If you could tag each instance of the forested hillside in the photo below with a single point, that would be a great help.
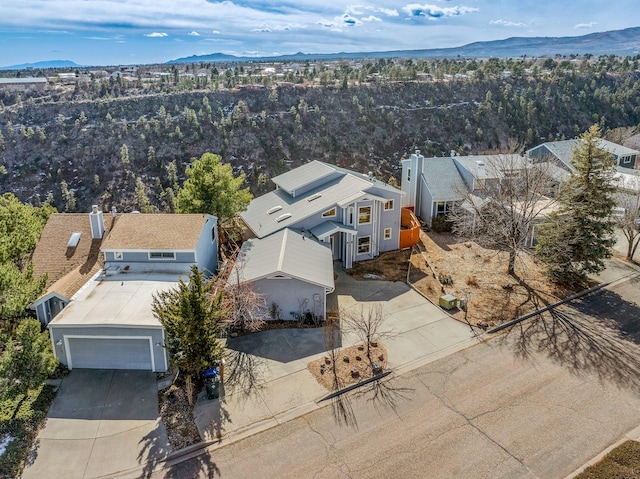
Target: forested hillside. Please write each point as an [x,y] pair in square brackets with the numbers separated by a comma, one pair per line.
[127,145]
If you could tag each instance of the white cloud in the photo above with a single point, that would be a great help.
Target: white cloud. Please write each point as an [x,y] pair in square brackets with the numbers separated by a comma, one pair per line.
[434,12]
[586,25]
[264,29]
[506,23]
[371,18]
[194,34]
[156,35]
[216,32]
[361,9]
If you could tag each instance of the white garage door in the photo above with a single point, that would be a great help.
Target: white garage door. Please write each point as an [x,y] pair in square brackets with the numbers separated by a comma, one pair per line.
[110,353]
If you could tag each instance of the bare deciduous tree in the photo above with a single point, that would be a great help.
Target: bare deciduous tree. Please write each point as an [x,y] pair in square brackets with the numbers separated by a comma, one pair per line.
[247,309]
[502,210]
[627,217]
[365,323]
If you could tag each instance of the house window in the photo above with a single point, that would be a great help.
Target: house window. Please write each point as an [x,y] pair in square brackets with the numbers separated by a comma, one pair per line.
[364,215]
[213,235]
[388,205]
[117,256]
[387,233]
[408,174]
[331,212]
[162,255]
[364,245]
[626,159]
[350,215]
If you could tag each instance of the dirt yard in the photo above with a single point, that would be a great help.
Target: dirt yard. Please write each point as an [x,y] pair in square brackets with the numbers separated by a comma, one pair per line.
[348,366]
[389,266]
[445,264]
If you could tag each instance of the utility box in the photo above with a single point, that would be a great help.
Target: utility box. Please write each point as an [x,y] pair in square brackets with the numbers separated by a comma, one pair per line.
[448,301]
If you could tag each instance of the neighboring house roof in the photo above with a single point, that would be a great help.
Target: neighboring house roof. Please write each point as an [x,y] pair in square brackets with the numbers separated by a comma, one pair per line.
[489,166]
[563,149]
[442,179]
[135,231]
[555,172]
[287,253]
[68,268]
[277,209]
[616,149]
[627,181]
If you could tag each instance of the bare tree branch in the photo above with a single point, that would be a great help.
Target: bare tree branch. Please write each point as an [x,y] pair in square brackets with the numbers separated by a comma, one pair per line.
[502,210]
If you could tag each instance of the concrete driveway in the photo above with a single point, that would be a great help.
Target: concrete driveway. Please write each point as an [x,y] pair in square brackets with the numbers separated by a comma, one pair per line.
[101,422]
[266,378]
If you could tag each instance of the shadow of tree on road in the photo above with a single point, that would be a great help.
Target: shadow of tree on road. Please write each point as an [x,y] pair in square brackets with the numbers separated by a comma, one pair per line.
[198,466]
[342,409]
[581,343]
[609,305]
[385,395]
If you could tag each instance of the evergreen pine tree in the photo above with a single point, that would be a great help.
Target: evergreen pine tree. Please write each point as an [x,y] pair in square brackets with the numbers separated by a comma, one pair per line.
[191,317]
[578,236]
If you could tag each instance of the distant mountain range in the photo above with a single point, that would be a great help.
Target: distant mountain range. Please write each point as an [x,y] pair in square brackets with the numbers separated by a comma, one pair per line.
[616,42]
[45,64]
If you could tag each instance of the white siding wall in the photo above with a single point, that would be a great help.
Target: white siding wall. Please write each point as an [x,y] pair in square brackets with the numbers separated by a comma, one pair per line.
[289,294]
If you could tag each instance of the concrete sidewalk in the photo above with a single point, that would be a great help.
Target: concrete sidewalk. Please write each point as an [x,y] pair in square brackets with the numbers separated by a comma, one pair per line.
[266,376]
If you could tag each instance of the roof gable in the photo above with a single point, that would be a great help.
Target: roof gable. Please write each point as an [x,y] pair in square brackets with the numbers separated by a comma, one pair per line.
[288,253]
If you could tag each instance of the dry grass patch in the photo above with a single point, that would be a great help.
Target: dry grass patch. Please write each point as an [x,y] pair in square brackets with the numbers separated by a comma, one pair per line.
[341,373]
[446,264]
[621,463]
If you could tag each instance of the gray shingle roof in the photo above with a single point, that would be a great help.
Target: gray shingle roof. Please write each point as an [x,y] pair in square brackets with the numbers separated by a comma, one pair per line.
[493,164]
[286,252]
[277,209]
[563,150]
[616,149]
[442,179]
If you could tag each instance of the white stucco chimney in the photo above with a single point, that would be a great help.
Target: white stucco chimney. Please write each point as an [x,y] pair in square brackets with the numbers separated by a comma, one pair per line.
[97,223]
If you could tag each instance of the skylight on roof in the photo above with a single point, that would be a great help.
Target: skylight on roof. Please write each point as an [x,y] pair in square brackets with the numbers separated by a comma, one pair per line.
[74,240]
[283,217]
[274,209]
[314,197]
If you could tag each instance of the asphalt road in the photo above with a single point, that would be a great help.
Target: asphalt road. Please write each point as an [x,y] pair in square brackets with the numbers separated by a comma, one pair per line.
[536,402]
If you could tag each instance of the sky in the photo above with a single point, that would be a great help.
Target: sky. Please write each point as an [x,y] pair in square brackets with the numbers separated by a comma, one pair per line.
[117,32]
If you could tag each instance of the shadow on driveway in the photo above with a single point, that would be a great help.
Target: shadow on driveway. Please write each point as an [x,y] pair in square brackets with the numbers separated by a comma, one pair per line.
[281,345]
